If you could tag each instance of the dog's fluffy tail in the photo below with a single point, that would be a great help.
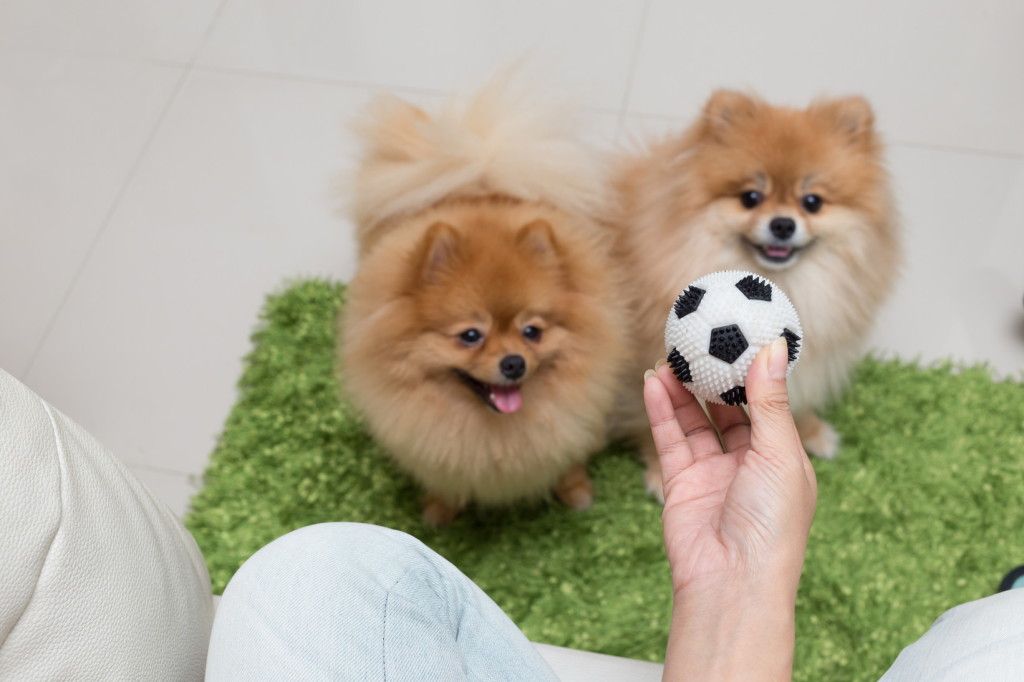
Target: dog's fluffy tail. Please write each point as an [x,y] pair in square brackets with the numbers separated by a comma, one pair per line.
[500,141]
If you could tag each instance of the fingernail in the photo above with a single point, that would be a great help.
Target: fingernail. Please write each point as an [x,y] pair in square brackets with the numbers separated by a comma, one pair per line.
[658,364]
[778,359]
[648,374]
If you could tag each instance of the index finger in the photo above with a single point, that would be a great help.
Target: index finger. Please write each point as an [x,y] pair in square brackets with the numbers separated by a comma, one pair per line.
[669,439]
[733,425]
[699,432]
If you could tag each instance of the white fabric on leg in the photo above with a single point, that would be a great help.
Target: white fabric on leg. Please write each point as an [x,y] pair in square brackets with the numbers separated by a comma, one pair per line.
[980,641]
[347,601]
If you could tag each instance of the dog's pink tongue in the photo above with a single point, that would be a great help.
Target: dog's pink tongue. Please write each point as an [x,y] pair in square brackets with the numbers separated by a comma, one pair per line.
[777,251]
[507,399]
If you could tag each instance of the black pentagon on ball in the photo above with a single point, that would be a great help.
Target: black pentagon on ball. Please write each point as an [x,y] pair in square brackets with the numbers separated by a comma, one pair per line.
[792,344]
[755,288]
[680,367]
[688,301]
[737,395]
[727,343]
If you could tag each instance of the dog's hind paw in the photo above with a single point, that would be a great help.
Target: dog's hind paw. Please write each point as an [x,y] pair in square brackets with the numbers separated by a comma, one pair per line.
[575,489]
[653,483]
[821,440]
[437,512]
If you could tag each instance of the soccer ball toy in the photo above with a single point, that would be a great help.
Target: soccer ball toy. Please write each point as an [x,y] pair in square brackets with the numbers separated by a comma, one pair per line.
[717,326]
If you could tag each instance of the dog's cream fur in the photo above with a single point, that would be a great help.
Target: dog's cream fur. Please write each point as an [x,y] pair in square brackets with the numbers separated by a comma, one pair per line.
[501,141]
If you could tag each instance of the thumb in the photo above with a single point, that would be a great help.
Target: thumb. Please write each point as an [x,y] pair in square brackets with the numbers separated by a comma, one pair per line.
[772,430]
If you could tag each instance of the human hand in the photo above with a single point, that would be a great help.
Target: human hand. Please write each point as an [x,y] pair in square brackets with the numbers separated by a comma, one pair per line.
[738,510]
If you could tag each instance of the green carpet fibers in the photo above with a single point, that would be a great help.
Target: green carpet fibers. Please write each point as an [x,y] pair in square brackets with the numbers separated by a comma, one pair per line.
[922,510]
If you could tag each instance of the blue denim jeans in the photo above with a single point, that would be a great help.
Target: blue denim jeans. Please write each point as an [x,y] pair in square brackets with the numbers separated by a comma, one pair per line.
[348,601]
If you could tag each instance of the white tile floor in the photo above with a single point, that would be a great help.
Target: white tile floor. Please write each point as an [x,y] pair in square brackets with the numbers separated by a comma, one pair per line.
[165,164]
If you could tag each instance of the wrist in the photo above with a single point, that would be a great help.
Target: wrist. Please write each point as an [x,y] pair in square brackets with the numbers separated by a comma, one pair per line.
[777,580]
[733,628]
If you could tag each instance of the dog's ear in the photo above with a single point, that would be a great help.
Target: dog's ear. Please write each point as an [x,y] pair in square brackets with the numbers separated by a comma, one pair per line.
[725,108]
[850,116]
[537,240]
[439,252]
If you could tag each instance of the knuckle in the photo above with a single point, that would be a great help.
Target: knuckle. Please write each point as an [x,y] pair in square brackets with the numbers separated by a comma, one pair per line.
[666,438]
[773,404]
[673,447]
[662,422]
[699,431]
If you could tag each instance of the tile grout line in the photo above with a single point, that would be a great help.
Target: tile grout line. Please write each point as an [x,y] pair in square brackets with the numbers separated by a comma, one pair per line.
[317,80]
[634,59]
[621,113]
[99,55]
[120,194]
[351,84]
[890,141]
[132,464]
[194,66]
[953,149]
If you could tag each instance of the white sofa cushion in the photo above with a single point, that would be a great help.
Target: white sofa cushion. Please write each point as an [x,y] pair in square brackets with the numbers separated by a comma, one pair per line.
[573,665]
[99,580]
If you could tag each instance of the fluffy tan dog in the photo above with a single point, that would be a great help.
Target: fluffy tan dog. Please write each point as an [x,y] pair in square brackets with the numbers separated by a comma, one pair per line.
[798,195]
[484,334]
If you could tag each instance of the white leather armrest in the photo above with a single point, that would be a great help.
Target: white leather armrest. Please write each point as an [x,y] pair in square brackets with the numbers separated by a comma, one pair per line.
[99,580]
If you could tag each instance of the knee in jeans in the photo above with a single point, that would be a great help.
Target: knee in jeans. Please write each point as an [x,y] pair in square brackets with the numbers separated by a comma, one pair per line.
[349,534]
[345,551]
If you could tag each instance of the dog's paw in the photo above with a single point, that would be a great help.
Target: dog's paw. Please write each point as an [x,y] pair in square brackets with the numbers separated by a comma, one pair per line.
[437,512]
[579,497]
[575,489]
[652,481]
[822,441]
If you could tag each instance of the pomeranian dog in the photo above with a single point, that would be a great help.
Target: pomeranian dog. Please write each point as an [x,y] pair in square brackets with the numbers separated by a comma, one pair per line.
[483,336]
[800,196]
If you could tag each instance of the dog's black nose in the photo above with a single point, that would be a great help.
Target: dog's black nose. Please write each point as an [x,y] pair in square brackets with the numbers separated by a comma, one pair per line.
[782,228]
[513,366]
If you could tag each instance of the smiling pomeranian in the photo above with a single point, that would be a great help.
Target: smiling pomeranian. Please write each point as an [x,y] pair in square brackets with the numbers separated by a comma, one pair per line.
[798,195]
[483,334]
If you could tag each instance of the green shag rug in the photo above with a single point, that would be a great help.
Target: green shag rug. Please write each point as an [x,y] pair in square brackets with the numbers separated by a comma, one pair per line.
[924,508]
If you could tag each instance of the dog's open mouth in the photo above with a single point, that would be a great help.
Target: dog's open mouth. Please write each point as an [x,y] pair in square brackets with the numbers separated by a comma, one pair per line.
[776,254]
[503,399]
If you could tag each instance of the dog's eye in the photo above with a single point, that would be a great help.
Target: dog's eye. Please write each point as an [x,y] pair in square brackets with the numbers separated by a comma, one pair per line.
[471,336]
[532,333]
[751,199]
[811,203]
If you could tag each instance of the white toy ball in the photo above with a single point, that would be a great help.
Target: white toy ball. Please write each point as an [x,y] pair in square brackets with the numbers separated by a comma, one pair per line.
[717,326]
